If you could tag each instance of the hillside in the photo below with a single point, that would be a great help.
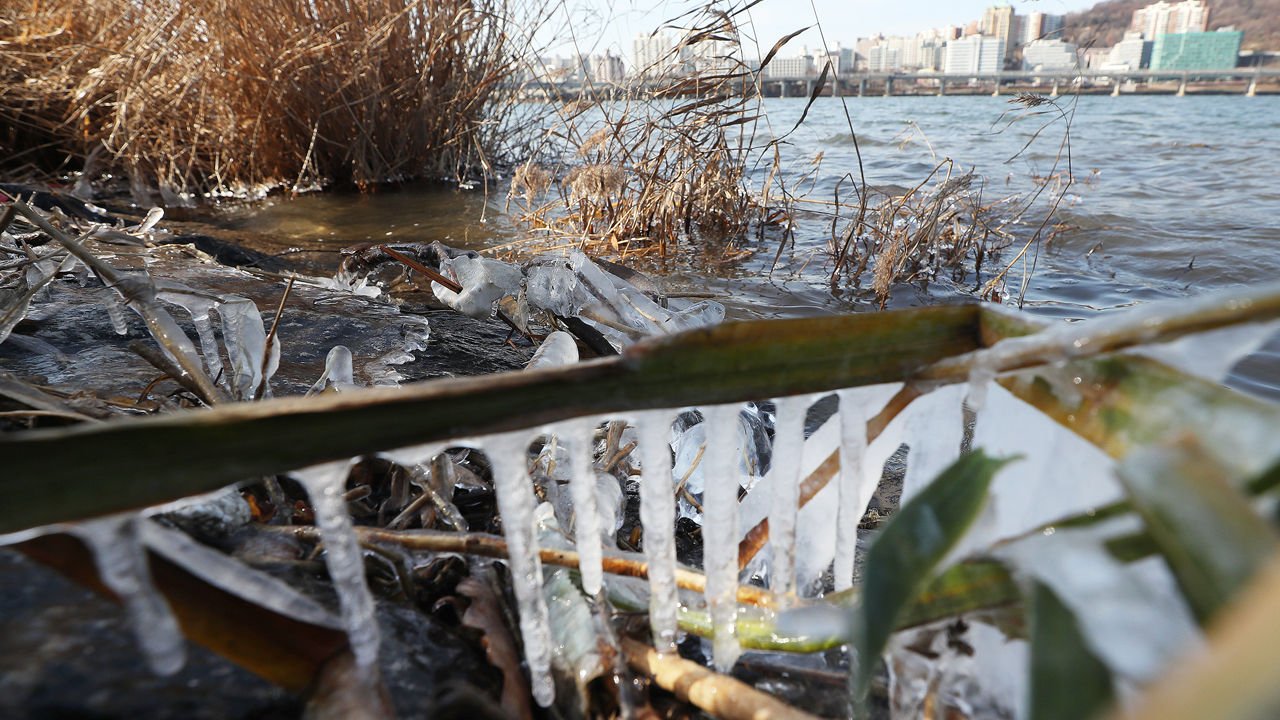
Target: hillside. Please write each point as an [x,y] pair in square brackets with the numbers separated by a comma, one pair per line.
[1104,24]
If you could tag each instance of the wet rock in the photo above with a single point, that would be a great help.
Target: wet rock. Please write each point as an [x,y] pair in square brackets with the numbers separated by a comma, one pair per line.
[67,652]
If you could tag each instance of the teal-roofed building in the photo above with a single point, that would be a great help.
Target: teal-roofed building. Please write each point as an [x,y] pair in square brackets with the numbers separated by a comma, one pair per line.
[1196,51]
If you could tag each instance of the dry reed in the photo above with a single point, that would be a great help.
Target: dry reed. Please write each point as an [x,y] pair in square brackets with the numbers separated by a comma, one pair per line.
[222,95]
[663,159]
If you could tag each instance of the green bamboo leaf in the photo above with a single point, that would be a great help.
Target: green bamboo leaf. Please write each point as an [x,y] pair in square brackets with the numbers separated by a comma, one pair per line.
[1205,528]
[902,559]
[126,464]
[1068,682]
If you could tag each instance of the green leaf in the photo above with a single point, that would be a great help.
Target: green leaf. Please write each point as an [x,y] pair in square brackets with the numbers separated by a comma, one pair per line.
[1068,682]
[1206,529]
[902,559]
[69,474]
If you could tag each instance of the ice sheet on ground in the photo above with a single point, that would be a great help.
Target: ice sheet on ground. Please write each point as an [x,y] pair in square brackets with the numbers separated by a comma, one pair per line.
[1131,615]
[1212,354]
[1060,473]
[314,320]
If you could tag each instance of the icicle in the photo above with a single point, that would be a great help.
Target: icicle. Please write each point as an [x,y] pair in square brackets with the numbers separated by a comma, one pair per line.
[657,517]
[122,566]
[115,311]
[853,446]
[720,530]
[325,485]
[934,429]
[784,479]
[506,454]
[586,518]
[980,376]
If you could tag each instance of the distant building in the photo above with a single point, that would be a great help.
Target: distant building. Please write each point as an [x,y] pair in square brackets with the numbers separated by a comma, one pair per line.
[974,54]
[999,21]
[848,59]
[1039,25]
[1049,55]
[785,67]
[653,54]
[1190,16]
[884,57]
[1131,53]
[1196,51]
[606,68]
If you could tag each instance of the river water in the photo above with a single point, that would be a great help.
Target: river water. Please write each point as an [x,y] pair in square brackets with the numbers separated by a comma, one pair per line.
[1172,197]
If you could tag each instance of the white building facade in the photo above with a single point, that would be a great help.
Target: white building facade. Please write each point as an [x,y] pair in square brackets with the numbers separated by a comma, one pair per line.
[1162,17]
[1049,55]
[974,54]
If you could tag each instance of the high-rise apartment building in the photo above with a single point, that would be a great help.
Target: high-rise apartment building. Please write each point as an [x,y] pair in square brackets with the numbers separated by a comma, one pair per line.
[1037,25]
[974,54]
[999,21]
[652,54]
[1189,16]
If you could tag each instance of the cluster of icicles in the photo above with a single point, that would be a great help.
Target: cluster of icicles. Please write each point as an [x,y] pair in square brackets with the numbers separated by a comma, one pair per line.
[805,539]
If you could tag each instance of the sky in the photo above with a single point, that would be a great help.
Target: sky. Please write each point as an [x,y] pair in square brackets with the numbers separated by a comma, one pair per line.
[843,21]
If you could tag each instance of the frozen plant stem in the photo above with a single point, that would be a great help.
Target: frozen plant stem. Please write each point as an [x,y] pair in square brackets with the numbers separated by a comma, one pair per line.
[160,323]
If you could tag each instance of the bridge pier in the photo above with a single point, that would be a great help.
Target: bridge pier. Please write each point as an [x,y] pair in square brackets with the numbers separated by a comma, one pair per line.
[1054,93]
[1115,87]
[862,87]
[1252,90]
[808,89]
[996,92]
[782,88]
[1182,87]
[942,86]
[888,86]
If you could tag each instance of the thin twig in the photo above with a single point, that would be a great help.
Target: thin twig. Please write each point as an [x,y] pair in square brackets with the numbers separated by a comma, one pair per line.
[495,546]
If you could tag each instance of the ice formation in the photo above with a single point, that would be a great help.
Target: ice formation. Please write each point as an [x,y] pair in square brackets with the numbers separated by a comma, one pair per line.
[326,485]
[784,481]
[657,517]
[514,492]
[123,568]
[720,530]
[583,488]
[557,350]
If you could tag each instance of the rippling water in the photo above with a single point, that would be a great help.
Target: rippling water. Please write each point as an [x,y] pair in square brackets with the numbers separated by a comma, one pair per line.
[1174,196]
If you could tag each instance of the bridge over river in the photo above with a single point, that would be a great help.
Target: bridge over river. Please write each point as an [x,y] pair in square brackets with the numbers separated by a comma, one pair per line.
[1247,81]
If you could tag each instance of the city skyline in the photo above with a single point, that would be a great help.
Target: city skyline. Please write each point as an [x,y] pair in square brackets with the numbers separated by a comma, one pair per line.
[842,21]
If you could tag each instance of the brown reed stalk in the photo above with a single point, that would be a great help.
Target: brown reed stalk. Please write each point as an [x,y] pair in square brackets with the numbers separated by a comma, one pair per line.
[216,95]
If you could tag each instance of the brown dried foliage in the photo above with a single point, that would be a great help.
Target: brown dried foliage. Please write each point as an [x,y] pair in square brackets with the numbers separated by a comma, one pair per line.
[205,95]
[660,160]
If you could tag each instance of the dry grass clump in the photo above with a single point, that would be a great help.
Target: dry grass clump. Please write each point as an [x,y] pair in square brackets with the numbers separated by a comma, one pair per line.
[666,160]
[918,234]
[216,95]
